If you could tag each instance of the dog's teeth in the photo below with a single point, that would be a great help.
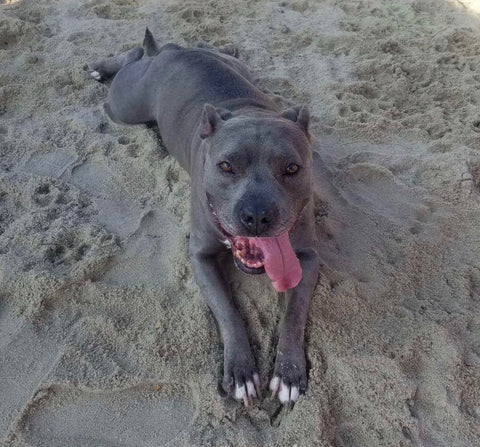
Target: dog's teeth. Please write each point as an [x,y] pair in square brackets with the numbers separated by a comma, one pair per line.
[254,264]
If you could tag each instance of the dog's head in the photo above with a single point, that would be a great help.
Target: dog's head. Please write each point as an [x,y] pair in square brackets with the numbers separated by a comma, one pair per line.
[257,176]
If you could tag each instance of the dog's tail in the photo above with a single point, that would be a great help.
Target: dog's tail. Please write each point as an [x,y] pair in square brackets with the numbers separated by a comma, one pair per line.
[150,44]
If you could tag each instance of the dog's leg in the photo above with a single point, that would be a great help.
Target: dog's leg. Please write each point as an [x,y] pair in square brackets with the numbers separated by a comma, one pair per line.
[104,69]
[240,378]
[129,97]
[290,374]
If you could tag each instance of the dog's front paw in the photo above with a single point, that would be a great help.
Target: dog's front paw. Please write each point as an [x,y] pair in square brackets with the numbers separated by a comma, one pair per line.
[240,377]
[289,377]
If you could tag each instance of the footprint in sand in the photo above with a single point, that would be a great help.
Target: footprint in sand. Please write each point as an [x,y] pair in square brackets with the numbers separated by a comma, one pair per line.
[27,355]
[150,248]
[142,416]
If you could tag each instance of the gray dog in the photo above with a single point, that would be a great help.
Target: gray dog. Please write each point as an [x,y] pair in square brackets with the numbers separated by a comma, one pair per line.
[251,172]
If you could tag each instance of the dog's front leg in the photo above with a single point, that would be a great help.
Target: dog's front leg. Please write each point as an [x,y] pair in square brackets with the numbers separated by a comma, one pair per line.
[240,378]
[290,374]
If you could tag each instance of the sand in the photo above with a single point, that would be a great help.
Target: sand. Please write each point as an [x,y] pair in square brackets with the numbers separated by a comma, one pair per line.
[105,339]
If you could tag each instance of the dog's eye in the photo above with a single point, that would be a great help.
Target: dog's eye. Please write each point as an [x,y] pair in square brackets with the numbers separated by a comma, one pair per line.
[292,168]
[225,166]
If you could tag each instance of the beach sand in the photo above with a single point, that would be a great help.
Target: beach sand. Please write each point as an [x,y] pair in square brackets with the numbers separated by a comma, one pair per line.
[105,339]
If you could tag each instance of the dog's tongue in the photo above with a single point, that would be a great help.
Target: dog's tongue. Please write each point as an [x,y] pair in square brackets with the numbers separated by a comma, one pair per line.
[280,262]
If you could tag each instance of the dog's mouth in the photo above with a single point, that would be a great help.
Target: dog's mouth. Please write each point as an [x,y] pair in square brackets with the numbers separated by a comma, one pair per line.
[247,256]
[271,255]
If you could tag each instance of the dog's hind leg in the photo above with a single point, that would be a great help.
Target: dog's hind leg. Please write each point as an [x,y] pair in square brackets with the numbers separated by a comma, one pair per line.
[131,94]
[104,69]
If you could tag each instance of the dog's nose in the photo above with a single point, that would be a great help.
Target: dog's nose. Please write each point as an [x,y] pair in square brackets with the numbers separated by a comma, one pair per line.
[256,220]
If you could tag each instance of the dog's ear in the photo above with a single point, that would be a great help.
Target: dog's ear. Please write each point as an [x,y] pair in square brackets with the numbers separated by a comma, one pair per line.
[212,119]
[299,115]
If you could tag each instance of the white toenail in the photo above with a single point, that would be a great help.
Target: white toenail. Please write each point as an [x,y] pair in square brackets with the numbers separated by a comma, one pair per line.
[294,394]
[274,384]
[284,394]
[251,389]
[239,391]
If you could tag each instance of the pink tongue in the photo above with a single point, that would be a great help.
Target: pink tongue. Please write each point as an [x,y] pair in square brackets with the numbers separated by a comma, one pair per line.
[280,262]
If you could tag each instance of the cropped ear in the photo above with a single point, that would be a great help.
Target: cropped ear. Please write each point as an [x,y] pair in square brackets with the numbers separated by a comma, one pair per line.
[212,119]
[299,115]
